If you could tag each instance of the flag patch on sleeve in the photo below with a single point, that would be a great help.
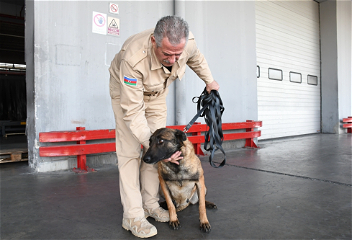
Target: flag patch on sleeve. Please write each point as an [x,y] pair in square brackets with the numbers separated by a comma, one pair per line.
[130,81]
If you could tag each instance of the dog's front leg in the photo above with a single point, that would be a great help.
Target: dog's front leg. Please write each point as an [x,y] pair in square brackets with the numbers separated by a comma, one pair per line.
[204,223]
[174,223]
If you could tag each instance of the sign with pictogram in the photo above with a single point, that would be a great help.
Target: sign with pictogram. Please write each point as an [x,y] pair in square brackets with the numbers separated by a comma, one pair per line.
[99,23]
[114,8]
[113,26]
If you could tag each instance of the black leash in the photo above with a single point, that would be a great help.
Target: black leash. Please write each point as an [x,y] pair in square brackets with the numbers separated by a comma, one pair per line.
[209,106]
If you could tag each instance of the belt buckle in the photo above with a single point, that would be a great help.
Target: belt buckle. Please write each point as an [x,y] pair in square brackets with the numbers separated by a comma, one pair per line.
[151,94]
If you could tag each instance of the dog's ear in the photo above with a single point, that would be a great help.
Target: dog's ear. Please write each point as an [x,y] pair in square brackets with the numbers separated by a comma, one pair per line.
[180,136]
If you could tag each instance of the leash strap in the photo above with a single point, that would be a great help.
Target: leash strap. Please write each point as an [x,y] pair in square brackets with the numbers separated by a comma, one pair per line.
[209,106]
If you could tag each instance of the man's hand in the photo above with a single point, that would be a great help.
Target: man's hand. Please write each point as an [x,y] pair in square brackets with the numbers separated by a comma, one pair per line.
[212,86]
[174,158]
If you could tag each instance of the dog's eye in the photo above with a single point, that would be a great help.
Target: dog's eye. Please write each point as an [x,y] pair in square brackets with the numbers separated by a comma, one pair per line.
[161,141]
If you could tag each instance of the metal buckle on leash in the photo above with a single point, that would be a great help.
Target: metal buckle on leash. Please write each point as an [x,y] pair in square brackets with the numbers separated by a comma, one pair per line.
[187,128]
[194,100]
[189,125]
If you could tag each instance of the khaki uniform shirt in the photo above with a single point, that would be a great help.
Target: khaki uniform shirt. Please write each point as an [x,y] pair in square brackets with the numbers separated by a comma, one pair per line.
[135,71]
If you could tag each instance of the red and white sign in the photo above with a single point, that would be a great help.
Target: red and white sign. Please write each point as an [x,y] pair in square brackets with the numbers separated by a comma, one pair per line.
[114,8]
[99,23]
[113,26]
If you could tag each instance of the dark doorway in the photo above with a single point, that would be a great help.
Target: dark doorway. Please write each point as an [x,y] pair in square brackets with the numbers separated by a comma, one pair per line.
[13,101]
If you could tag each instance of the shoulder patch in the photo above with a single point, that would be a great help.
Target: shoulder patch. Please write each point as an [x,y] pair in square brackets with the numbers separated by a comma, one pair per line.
[130,81]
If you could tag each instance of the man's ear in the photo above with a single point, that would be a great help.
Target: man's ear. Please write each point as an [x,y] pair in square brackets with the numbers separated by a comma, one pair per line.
[180,136]
[152,39]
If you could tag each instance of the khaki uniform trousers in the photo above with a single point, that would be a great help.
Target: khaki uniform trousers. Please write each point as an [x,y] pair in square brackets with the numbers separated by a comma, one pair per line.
[139,182]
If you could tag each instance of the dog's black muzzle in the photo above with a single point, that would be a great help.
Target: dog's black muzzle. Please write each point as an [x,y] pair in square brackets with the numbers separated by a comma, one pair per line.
[148,159]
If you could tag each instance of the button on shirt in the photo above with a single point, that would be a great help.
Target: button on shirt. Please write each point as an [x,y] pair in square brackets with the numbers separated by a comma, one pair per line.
[135,71]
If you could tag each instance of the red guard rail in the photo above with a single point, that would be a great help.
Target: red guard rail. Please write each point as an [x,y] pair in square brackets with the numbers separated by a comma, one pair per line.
[82,148]
[348,124]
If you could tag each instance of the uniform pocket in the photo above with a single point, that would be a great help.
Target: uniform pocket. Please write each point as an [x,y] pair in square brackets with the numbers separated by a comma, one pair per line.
[153,88]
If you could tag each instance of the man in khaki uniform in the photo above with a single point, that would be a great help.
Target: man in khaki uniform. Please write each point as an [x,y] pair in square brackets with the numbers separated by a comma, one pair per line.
[140,74]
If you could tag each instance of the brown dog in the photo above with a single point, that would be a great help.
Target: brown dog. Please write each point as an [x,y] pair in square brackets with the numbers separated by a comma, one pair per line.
[181,184]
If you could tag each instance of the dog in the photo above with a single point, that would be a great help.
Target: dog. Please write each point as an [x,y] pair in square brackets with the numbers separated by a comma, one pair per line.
[181,184]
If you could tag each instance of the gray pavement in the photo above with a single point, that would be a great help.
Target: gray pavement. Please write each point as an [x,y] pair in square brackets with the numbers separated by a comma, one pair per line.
[293,188]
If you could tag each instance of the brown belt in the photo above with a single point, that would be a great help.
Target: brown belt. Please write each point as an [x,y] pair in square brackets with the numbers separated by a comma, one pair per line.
[150,93]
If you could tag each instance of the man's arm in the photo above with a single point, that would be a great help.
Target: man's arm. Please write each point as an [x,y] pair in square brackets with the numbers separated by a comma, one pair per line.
[132,103]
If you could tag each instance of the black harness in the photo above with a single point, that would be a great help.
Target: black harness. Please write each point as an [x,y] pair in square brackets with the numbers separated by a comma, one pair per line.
[209,106]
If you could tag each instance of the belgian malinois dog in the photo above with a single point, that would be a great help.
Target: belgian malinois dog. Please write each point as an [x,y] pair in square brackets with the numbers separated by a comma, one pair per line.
[181,184]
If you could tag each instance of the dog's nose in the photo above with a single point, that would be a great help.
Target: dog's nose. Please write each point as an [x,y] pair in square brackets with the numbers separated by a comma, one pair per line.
[147,159]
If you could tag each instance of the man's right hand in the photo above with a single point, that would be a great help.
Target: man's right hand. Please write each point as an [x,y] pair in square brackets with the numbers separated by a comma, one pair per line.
[212,86]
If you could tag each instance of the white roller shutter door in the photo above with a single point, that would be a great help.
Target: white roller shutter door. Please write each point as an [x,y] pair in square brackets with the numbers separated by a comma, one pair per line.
[288,59]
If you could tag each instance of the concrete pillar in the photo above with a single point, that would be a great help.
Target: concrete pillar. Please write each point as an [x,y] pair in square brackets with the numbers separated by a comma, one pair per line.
[335,34]
[180,88]
[29,59]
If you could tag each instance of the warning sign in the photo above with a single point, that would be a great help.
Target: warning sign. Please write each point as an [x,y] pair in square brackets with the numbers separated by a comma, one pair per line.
[114,8]
[99,23]
[113,26]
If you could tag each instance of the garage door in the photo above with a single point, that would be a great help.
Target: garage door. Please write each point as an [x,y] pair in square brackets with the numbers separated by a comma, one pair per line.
[288,71]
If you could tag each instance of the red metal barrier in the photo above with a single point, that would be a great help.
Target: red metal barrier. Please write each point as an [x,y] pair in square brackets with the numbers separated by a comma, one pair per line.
[81,148]
[348,124]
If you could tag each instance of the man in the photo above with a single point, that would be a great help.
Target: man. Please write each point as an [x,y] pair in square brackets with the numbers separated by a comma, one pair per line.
[140,74]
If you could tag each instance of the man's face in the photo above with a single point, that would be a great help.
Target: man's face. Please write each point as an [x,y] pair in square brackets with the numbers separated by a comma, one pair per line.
[168,54]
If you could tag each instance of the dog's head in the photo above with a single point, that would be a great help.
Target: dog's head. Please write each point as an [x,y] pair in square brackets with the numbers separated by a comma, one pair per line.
[163,143]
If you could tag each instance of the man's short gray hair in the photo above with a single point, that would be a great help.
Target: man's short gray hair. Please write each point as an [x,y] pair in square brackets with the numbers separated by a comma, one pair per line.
[172,27]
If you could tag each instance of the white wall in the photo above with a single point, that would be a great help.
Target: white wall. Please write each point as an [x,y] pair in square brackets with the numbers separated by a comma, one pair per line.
[68,78]
[225,33]
[288,39]
[71,70]
[70,82]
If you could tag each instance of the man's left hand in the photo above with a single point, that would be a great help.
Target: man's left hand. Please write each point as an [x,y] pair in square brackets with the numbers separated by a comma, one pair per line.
[212,86]
[174,158]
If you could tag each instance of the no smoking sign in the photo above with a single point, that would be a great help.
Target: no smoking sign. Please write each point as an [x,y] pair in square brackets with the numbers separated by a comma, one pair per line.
[114,8]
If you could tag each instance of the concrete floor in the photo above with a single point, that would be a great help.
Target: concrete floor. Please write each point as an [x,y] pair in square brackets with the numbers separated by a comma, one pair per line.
[295,188]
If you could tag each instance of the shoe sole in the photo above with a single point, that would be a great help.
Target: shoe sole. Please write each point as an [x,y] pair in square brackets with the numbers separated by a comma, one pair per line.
[136,234]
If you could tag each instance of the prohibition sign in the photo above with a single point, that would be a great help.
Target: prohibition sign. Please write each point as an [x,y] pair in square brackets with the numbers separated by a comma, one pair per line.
[114,8]
[99,20]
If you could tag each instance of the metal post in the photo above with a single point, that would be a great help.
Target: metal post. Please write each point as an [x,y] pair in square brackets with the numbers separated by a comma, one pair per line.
[180,89]
[82,159]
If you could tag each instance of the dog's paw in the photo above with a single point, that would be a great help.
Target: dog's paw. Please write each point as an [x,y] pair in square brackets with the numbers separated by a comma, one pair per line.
[175,225]
[205,227]
[210,205]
